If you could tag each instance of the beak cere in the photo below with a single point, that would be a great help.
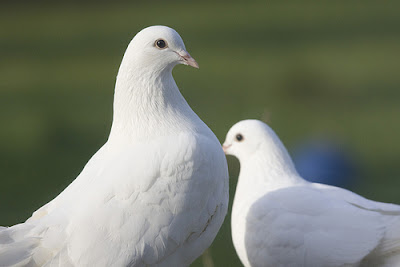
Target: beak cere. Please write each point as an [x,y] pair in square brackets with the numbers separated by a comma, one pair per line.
[188,60]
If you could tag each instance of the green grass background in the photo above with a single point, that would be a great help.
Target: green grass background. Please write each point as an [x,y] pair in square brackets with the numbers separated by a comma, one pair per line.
[308,67]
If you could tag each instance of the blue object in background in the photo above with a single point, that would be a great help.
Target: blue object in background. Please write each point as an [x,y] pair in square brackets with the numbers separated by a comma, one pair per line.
[324,161]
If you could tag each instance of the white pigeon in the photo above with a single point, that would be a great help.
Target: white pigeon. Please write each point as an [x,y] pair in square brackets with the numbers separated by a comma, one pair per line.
[155,194]
[280,219]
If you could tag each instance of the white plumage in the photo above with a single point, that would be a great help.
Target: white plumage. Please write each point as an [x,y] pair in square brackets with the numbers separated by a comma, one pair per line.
[155,194]
[280,219]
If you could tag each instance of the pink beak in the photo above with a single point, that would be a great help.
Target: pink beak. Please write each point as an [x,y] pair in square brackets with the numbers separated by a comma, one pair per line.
[225,148]
[188,60]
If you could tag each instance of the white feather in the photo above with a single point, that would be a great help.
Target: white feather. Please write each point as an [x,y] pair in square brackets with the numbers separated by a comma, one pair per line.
[155,194]
[279,219]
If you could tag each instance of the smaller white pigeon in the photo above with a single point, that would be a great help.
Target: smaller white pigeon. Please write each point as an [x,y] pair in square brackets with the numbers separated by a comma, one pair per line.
[280,219]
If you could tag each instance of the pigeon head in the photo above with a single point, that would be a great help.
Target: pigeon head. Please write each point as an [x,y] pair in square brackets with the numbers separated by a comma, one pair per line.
[253,137]
[147,100]
[244,138]
[157,48]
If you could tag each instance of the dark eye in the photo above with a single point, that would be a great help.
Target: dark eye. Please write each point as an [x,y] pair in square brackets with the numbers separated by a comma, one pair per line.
[160,43]
[239,137]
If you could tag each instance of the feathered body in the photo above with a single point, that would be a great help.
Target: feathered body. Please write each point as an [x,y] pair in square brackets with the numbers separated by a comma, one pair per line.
[280,219]
[155,194]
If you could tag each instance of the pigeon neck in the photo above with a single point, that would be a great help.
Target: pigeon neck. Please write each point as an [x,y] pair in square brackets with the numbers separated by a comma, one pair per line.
[271,166]
[148,103]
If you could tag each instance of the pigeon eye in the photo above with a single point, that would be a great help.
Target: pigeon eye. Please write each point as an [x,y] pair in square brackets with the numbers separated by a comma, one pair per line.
[160,43]
[239,137]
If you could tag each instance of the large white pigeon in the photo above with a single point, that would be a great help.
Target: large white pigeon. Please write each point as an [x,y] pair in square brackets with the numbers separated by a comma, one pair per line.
[155,194]
[280,219]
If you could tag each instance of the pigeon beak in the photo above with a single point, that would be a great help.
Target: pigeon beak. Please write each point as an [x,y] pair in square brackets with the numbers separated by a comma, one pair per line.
[187,59]
[225,148]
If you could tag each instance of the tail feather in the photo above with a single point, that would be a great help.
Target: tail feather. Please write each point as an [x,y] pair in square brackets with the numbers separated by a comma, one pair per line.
[387,254]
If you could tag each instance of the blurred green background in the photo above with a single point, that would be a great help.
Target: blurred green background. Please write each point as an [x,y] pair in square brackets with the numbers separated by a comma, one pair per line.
[308,68]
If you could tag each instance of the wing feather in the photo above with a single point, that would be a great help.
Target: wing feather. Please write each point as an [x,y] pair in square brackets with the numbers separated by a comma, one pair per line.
[302,225]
